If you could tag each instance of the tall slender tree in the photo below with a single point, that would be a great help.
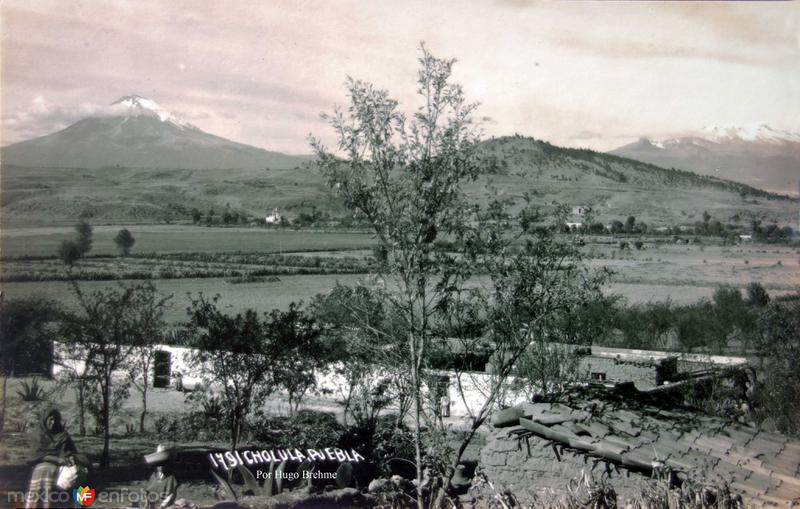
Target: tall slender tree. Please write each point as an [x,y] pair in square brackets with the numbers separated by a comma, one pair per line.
[404,175]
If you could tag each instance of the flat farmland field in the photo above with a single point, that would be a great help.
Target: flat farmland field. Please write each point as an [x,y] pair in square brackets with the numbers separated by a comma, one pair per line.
[776,266]
[16,242]
[269,295]
[661,270]
[262,296]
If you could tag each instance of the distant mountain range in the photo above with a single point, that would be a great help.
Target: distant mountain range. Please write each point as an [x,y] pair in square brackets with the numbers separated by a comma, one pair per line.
[757,155]
[135,132]
[137,162]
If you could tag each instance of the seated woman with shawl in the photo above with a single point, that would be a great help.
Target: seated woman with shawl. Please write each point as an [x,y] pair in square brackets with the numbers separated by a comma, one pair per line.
[53,447]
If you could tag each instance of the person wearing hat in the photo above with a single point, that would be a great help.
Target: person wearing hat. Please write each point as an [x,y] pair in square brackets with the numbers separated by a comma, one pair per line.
[162,484]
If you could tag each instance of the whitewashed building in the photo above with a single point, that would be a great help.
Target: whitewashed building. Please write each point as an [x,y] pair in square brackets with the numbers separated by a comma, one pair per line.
[273,218]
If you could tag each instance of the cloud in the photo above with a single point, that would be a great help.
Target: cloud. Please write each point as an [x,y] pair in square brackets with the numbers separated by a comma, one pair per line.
[41,116]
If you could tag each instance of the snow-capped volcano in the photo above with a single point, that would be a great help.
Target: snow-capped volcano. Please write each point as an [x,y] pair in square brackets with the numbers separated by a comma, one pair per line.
[135,105]
[755,154]
[136,132]
[748,132]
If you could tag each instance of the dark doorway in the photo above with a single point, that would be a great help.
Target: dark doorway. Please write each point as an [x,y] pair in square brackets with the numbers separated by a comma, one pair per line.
[162,370]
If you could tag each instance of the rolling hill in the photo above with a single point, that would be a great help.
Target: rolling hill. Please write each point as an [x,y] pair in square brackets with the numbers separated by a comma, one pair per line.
[613,186]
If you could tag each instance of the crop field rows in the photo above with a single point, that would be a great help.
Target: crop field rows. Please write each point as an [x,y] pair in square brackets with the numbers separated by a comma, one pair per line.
[178,267]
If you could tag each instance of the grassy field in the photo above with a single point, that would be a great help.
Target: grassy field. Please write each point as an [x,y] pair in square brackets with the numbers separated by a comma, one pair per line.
[15,242]
[775,266]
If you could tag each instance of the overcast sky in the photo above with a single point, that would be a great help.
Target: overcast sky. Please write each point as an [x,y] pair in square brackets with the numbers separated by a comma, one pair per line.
[591,74]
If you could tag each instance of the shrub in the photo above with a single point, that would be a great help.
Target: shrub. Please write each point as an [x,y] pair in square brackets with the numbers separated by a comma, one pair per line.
[31,391]
[307,429]
[388,443]
[212,408]
[190,427]
[777,395]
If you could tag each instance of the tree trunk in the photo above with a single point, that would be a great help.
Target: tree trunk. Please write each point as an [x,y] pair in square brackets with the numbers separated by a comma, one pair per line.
[144,396]
[144,409]
[417,417]
[234,430]
[105,460]
[347,401]
[3,414]
[81,408]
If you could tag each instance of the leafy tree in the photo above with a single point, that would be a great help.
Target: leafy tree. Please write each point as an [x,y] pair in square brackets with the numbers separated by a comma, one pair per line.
[235,353]
[597,228]
[778,344]
[757,295]
[210,217]
[617,226]
[693,326]
[196,215]
[649,326]
[84,237]
[101,335]
[302,355]
[69,252]
[24,339]
[630,224]
[124,241]
[731,318]
[361,335]
[404,177]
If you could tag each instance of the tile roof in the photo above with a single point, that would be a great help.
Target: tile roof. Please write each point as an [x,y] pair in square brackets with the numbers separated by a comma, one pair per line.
[763,466]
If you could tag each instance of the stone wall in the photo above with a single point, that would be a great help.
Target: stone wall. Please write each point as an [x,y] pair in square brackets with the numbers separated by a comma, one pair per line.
[642,375]
[526,468]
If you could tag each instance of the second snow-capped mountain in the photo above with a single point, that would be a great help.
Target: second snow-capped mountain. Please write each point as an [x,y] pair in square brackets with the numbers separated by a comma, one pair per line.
[757,155]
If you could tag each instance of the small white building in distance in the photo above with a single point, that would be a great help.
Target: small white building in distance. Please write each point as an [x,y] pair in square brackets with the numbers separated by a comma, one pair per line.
[273,218]
[580,210]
